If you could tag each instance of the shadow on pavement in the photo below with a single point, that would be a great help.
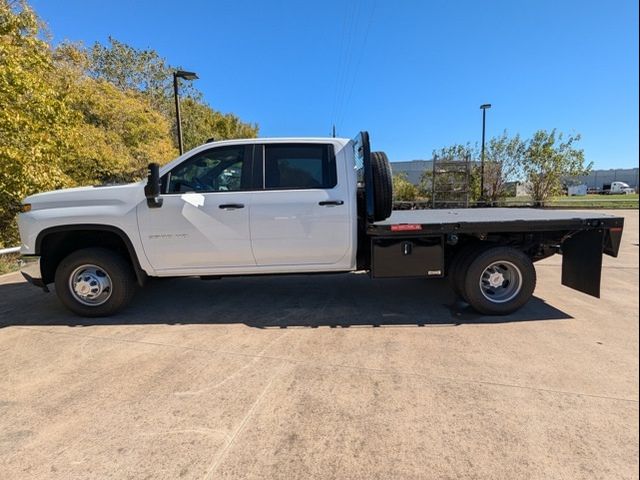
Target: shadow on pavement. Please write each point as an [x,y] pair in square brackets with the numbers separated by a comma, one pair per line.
[341,300]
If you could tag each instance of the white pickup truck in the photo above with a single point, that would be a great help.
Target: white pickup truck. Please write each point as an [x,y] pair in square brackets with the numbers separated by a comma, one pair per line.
[293,206]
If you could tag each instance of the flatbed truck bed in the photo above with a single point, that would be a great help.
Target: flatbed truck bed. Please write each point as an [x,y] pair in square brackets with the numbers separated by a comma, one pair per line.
[487,220]
[429,243]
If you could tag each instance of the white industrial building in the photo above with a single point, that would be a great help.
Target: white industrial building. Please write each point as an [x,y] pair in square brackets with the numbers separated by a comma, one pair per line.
[597,178]
[413,169]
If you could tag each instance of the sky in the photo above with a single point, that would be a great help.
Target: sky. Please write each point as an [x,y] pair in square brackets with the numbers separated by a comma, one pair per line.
[412,73]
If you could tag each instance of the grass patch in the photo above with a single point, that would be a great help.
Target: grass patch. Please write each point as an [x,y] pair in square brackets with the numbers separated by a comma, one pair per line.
[587,201]
[9,263]
[596,201]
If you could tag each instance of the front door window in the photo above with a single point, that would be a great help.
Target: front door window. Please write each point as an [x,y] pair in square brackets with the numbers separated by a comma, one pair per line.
[216,170]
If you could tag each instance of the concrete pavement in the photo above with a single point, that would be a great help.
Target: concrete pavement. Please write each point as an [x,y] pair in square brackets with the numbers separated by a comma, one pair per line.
[324,377]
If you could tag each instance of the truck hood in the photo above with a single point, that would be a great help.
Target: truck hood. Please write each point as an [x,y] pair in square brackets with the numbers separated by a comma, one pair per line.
[131,193]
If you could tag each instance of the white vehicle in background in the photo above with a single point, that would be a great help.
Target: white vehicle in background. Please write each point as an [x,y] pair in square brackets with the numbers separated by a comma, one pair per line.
[577,190]
[617,188]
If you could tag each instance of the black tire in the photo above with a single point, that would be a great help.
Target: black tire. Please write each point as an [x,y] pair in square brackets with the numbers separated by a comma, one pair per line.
[382,186]
[119,275]
[518,280]
[457,269]
[465,257]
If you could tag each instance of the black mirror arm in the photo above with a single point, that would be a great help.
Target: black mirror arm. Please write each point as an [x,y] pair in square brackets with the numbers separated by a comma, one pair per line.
[154,202]
[152,188]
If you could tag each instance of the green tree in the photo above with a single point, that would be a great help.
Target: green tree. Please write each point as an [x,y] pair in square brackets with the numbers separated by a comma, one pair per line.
[549,157]
[474,182]
[503,163]
[403,189]
[200,122]
[129,68]
[453,180]
[144,71]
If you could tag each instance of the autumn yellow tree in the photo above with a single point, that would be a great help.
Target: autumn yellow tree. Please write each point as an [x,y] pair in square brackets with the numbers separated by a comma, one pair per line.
[403,189]
[146,72]
[36,119]
[117,132]
[77,116]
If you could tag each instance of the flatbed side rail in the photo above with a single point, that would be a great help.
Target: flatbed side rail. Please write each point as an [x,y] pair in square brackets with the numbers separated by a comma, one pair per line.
[511,226]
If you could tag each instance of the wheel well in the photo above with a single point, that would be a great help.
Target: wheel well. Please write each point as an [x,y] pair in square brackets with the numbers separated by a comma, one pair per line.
[55,244]
[536,245]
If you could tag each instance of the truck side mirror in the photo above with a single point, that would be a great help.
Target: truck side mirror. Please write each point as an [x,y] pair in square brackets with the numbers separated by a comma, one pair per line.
[152,188]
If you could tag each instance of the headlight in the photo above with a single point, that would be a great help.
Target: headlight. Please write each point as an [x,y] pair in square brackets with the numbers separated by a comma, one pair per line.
[25,207]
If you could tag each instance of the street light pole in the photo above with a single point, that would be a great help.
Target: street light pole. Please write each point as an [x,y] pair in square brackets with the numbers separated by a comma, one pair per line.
[178,118]
[484,108]
[187,76]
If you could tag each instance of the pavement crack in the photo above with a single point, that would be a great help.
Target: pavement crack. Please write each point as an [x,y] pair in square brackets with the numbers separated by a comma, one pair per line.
[487,382]
[222,453]
[329,365]
[258,356]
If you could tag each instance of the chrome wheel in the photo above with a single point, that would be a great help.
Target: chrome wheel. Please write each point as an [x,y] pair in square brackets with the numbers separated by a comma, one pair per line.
[500,282]
[90,285]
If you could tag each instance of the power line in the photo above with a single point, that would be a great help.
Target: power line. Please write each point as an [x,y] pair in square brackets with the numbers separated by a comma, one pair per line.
[346,54]
[362,52]
[341,56]
[351,46]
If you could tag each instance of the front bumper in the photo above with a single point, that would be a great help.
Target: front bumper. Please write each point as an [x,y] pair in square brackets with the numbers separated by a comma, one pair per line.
[30,269]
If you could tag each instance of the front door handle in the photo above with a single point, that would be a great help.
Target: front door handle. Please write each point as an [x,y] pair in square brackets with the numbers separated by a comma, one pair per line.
[231,206]
[330,202]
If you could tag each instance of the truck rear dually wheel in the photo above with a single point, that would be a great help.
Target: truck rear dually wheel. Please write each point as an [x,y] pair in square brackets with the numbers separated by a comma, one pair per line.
[499,280]
[94,282]
[458,268]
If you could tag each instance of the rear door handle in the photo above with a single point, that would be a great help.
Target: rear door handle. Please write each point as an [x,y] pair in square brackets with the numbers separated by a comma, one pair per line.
[331,202]
[231,206]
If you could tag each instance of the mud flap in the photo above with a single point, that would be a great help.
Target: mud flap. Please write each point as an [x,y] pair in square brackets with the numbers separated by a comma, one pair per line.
[612,241]
[582,261]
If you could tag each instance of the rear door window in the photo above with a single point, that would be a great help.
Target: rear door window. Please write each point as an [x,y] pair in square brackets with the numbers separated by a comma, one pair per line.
[299,166]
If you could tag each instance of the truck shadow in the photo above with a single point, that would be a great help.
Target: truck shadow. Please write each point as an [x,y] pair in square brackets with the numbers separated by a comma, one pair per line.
[341,301]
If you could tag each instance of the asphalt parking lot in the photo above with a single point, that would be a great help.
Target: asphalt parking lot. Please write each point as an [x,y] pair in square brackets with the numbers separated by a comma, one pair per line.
[324,377]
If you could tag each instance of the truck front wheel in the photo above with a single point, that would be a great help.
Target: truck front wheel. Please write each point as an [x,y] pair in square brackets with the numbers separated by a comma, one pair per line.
[499,281]
[94,282]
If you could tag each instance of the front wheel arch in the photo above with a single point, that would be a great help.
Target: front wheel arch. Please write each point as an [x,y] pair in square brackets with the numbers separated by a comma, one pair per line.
[53,244]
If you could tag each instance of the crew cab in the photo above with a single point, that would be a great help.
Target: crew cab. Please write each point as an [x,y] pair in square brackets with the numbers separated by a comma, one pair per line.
[293,206]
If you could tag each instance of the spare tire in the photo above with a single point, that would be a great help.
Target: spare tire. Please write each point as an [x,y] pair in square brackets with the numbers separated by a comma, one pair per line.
[382,186]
